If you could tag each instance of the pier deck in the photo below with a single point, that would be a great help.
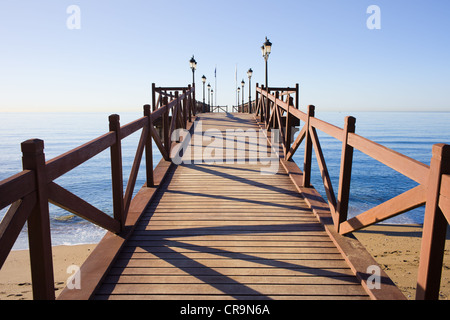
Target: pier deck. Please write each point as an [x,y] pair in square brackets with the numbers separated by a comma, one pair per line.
[227,231]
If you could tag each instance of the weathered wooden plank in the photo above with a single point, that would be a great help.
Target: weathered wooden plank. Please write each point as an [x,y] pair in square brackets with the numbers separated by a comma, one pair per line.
[237,222]
[209,216]
[232,289]
[228,237]
[237,249]
[234,255]
[259,200]
[273,212]
[220,279]
[263,271]
[226,297]
[225,243]
[242,210]
[231,205]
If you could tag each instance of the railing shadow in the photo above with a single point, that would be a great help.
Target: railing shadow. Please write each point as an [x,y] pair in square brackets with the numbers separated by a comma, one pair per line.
[223,282]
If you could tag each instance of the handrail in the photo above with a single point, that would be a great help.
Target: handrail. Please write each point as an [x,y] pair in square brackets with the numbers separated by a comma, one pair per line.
[16,187]
[405,165]
[433,189]
[29,192]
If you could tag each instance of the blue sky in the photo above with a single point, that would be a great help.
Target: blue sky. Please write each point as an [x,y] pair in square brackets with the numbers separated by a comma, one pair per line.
[324,45]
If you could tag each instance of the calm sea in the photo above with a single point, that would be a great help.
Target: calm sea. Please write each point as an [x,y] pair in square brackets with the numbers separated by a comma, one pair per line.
[412,134]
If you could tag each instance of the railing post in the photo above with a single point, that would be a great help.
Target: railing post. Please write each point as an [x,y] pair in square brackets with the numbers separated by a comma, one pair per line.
[149,148]
[185,106]
[154,97]
[288,128]
[190,104]
[434,228]
[116,171]
[308,150]
[345,173]
[39,236]
[177,110]
[194,101]
[264,106]
[166,125]
[268,106]
[275,109]
[257,103]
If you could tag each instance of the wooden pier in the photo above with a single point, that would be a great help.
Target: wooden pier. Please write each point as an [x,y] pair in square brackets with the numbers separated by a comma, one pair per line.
[221,231]
[242,224]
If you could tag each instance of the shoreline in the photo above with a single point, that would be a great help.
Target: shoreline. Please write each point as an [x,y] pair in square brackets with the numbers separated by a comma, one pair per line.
[395,247]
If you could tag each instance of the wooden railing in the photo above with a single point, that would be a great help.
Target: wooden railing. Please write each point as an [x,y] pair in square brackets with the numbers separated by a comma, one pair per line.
[276,109]
[29,192]
[244,108]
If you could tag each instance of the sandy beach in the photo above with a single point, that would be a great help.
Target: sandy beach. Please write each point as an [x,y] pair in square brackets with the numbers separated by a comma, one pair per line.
[395,247]
[15,276]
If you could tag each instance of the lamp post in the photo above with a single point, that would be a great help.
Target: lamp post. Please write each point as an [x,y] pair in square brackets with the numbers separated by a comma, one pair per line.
[250,73]
[209,97]
[193,65]
[242,84]
[212,101]
[204,80]
[266,49]
[238,91]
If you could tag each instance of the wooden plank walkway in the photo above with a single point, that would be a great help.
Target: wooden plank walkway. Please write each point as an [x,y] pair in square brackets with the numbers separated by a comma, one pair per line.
[225,231]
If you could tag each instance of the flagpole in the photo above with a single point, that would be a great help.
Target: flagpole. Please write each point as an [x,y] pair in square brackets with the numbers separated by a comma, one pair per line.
[215,75]
[235,90]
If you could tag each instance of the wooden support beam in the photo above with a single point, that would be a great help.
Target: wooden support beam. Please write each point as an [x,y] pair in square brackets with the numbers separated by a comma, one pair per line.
[324,172]
[308,150]
[74,204]
[288,126]
[39,237]
[134,170]
[149,147]
[154,105]
[16,187]
[434,228]
[13,222]
[301,136]
[345,173]
[159,143]
[116,170]
[166,128]
[404,202]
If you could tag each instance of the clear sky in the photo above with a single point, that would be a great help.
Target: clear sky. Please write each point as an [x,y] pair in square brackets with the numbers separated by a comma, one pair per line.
[324,45]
